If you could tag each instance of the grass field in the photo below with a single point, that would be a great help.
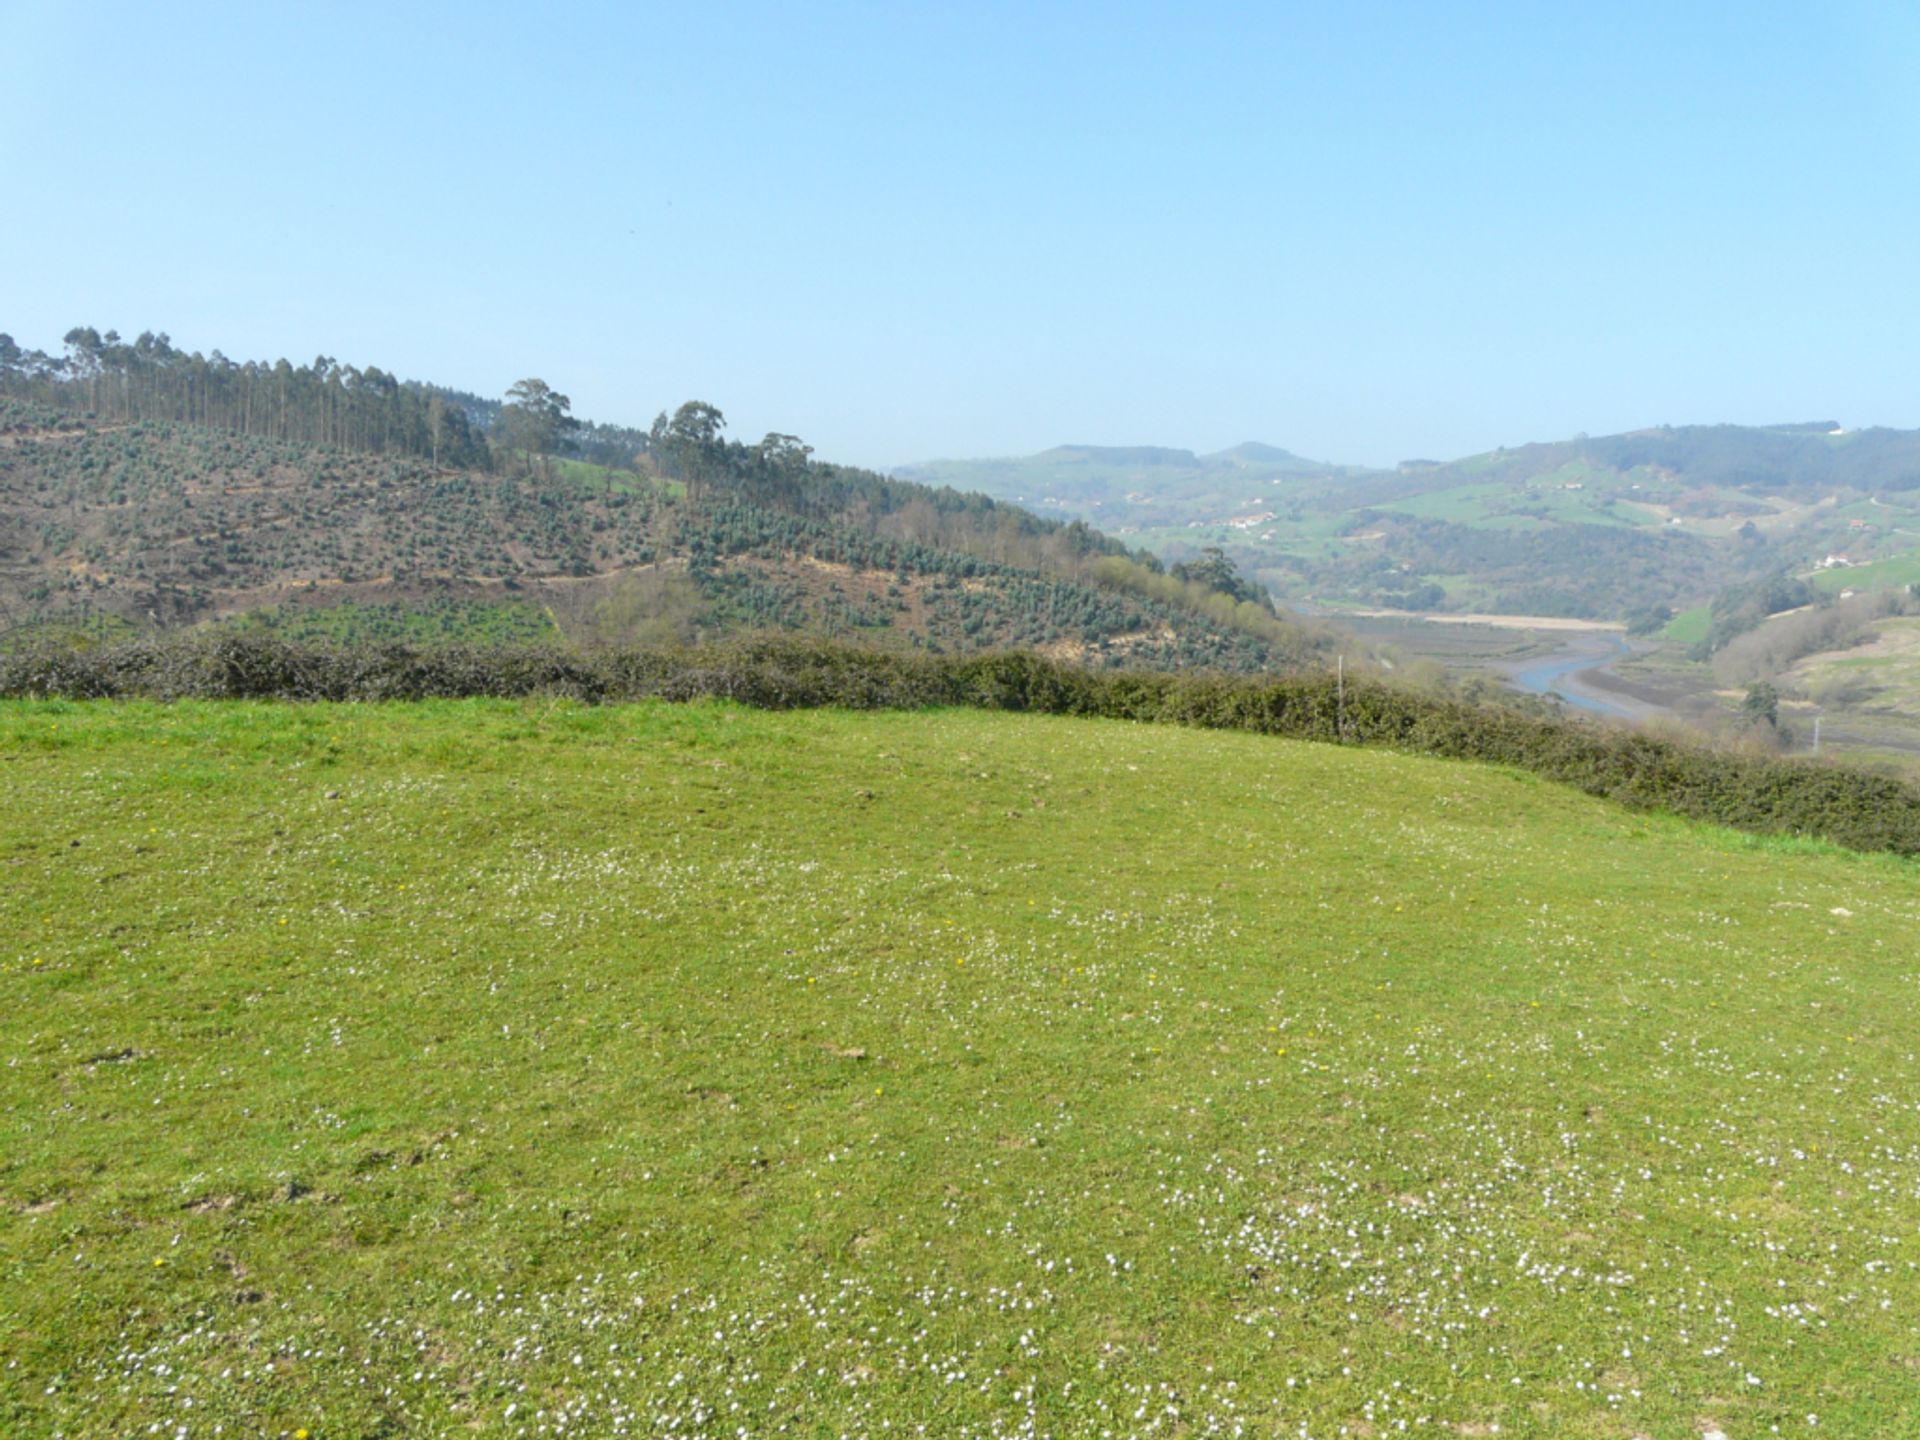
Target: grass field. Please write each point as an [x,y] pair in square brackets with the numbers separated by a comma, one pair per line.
[1690,627]
[1868,691]
[437,622]
[603,479]
[524,1069]
[1885,574]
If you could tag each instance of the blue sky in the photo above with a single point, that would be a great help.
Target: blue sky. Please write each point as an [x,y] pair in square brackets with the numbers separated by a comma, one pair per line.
[1363,231]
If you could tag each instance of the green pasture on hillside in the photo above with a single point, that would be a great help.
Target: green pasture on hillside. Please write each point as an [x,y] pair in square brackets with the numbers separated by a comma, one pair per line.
[610,480]
[1885,574]
[527,1069]
[434,622]
[1690,627]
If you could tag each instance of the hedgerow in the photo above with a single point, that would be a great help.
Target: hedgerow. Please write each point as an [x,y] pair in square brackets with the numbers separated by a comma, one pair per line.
[1853,808]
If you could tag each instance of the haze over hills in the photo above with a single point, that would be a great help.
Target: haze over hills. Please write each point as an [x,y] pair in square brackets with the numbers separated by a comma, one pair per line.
[1590,527]
[1135,486]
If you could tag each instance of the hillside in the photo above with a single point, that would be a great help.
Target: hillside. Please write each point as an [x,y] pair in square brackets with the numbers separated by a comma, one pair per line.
[1591,527]
[155,522]
[532,1069]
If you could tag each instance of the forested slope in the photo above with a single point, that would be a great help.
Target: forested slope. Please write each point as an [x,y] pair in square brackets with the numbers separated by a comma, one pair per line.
[156,522]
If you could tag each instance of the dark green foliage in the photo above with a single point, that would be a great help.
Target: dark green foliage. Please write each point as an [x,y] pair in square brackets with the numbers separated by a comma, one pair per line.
[1851,808]
[1761,704]
[537,421]
[1799,458]
[1217,572]
[325,403]
[778,473]
[973,601]
[170,506]
[27,417]
[1562,570]
[1649,619]
[615,447]
[427,622]
[1741,608]
[1420,597]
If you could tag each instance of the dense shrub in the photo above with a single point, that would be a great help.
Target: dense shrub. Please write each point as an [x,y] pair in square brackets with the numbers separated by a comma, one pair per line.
[1852,808]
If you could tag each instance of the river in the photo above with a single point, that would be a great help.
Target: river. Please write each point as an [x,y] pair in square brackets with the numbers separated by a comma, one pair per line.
[1581,649]
[1564,672]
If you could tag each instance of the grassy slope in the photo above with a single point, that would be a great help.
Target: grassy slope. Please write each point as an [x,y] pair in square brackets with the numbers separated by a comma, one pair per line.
[1690,627]
[1885,574]
[1867,692]
[1111,486]
[395,1066]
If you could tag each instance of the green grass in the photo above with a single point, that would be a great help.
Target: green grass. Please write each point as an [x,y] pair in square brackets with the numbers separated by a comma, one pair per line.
[83,628]
[605,480]
[470,622]
[1892,572]
[1496,506]
[1487,506]
[1464,592]
[468,1066]
[1882,677]
[1689,627]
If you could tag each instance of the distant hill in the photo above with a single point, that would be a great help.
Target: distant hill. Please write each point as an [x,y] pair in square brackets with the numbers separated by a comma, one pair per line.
[1140,486]
[1598,527]
[1116,455]
[1253,455]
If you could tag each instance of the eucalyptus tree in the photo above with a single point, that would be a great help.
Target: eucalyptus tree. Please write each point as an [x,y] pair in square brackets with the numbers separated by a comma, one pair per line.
[780,465]
[691,445]
[536,421]
[324,402]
